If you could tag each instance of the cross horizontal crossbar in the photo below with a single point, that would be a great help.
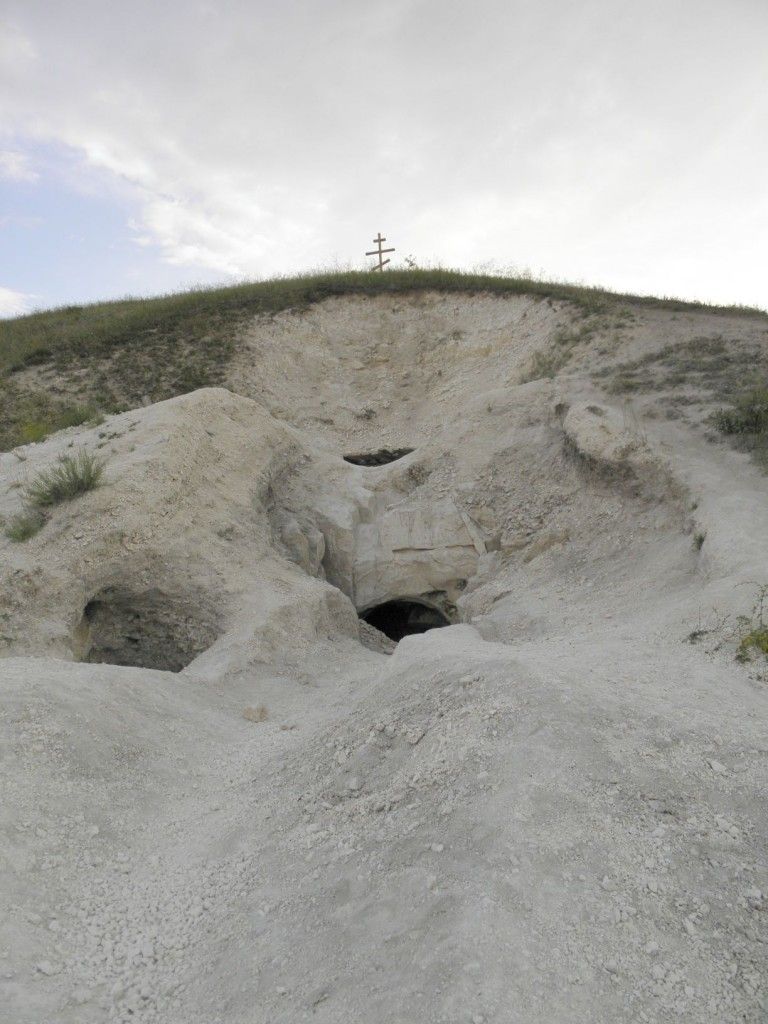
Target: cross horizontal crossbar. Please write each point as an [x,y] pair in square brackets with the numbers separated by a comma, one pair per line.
[376,252]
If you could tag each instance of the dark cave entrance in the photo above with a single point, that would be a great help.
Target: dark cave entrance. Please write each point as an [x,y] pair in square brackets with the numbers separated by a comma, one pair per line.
[378,458]
[403,617]
[150,629]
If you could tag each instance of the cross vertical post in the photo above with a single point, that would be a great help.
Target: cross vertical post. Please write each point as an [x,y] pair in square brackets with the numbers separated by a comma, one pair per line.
[379,252]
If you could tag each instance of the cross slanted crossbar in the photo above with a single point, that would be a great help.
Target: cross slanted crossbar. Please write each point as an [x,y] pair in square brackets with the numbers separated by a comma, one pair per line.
[379,252]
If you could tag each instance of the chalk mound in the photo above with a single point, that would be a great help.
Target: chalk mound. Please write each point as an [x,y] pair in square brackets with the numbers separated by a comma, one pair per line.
[445,736]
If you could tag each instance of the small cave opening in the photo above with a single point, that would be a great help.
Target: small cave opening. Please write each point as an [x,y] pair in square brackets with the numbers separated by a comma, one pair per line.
[403,617]
[378,458]
[151,629]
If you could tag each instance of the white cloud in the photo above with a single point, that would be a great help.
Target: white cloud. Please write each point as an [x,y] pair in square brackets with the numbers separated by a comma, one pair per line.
[601,141]
[14,303]
[15,166]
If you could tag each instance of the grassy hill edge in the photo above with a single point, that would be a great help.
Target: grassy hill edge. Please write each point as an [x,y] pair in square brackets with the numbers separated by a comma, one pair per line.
[37,337]
[65,366]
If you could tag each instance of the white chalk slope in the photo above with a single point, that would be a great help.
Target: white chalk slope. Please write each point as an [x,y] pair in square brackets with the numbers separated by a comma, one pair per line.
[552,811]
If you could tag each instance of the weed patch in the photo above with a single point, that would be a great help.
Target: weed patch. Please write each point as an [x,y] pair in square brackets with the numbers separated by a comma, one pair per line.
[25,525]
[749,633]
[696,371]
[709,363]
[753,629]
[748,415]
[564,343]
[745,423]
[71,476]
[32,414]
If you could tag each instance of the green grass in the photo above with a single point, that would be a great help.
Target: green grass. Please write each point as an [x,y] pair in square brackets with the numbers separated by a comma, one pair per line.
[745,423]
[748,415]
[119,355]
[57,418]
[40,337]
[699,371]
[71,476]
[756,640]
[25,525]
[566,340]
[710,363]
[753,629]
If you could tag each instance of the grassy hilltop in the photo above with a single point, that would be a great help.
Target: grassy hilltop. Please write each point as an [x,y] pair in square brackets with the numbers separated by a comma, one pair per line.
[64,366]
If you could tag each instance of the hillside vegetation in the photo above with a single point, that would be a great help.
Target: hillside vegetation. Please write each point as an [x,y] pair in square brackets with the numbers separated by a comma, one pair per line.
[66,366]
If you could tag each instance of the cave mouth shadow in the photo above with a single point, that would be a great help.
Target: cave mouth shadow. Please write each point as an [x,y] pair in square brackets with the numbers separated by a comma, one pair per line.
[378,458]
[145,629]
[404,616]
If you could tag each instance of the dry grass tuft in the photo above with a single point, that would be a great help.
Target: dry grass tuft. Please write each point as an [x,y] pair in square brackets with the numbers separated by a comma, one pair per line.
[25,525]
[72,476]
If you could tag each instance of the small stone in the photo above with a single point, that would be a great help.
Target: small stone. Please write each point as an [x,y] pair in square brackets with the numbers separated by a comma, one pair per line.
[651,948]
[690,991]
[281,991]
[608,884]
[437,847]
[353,784]
[689,926]
[717,767]
[611,966]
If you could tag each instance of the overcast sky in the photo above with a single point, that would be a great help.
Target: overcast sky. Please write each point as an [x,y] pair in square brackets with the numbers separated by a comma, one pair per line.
[150,144]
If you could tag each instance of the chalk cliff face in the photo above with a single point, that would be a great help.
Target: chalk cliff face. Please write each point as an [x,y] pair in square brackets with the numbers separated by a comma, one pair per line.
[230,800]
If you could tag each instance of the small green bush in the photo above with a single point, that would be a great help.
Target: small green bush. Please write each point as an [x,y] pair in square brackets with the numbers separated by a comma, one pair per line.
[25,525]
[749,414]
[71,476]
[755,640]
[753,629]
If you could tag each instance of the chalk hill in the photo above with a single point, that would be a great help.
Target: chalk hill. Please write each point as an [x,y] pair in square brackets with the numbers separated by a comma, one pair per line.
[248,778]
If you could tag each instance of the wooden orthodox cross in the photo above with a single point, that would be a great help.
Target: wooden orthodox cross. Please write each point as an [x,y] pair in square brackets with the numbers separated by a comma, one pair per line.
[379,252]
